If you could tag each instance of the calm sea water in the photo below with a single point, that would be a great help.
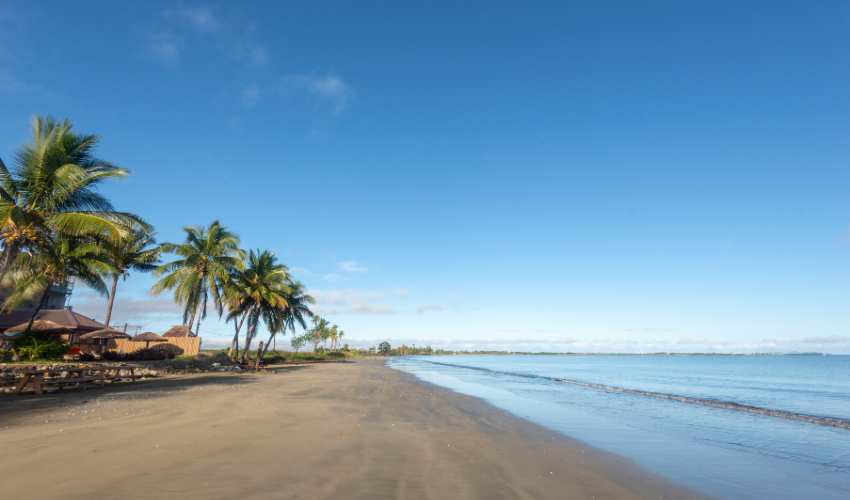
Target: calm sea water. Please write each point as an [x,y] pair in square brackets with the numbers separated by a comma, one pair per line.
[729,426]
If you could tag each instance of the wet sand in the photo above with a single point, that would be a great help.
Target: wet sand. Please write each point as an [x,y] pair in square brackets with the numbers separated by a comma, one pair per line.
[352,430]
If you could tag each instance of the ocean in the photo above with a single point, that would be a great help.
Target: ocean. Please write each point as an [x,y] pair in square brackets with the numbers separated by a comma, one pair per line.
[773,427]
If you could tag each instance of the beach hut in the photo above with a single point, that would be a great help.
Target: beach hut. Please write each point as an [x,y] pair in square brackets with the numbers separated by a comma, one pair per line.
[63,322]
[38,326]
[178,331]
[102,337]
[149,337]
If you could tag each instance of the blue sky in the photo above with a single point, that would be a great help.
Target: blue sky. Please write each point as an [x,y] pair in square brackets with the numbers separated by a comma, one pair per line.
[599,176]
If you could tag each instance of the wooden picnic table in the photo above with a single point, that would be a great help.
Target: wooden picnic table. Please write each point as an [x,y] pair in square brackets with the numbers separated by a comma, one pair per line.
[73,376]
[113,373]
[31,377]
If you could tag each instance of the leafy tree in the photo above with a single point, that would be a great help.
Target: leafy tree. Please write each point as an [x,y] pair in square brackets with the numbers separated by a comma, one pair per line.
[57,261]
[296,311]
[299,341]
[52,190]
[234,297]
[137,251]
[264,284]
[384,348]
[333,335]
[206,261]
[319,331]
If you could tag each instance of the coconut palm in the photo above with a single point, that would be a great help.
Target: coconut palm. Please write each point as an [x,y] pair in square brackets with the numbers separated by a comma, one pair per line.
[333,335]
[234,297]
[205,263]
[319,331]
[296,312]
[265,285]
[137,251]
[52,189]
[60,260]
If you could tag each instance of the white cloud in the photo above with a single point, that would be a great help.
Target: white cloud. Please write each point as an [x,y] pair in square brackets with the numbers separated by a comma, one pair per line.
[368,302]
[197,18]
[352,266]
[251,95]
[164,47]
[832,339]
[128,309]
[250,53]
[11,84]
[330,88]
[429,308]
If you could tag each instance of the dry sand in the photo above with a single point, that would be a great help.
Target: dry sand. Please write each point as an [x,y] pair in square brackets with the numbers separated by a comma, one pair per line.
[354,430]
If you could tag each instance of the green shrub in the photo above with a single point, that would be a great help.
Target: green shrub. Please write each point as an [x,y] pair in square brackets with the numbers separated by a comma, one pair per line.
[273,358]
[335,354]
[34,347]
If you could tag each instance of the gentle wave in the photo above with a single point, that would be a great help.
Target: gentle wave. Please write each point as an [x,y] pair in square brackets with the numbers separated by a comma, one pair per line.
[837,422]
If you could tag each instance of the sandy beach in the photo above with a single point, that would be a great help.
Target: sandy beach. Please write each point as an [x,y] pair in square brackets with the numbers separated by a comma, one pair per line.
[336,430]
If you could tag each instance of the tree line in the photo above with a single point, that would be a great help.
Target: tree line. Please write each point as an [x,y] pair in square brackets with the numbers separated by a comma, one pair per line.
[55,227]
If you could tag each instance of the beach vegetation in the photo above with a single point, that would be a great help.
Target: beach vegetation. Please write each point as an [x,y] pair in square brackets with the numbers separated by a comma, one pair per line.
[137,251]
[205,263]
[57,259]
[40,347]
[50,193]
[56,228]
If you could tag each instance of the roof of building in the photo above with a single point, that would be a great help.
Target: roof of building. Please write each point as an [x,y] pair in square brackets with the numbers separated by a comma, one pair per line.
[73,321]
[149,337]
[178,331]
[105,333]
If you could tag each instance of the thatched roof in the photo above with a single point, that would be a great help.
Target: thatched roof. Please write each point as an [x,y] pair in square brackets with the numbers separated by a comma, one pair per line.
[105,333]
[39,325]
[178,331]
[149,337]
[59,320]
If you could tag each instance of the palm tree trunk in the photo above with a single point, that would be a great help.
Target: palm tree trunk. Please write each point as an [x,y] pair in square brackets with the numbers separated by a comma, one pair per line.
[203,305]
[260,352]
[41,302]
[271,338]
[249,337]
[233,353]
[111,299]
[191,321]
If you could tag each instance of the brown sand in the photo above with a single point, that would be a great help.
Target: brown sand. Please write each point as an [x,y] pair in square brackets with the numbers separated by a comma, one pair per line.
[341,430]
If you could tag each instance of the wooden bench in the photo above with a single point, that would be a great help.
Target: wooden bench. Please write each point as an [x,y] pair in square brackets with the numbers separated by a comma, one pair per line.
[63,377]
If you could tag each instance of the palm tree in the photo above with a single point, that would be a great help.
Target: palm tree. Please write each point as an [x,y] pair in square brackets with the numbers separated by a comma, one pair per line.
[234,298]
[205,263]
[135,252]
[296,311]
[61,260]
[53,190]
[333,334]
[264,283]
[318,332]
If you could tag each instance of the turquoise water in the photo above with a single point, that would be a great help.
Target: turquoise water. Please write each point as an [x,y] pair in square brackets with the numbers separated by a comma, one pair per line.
[728,426]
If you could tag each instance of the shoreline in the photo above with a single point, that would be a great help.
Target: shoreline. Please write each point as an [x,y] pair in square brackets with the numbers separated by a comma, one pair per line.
[339,430]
